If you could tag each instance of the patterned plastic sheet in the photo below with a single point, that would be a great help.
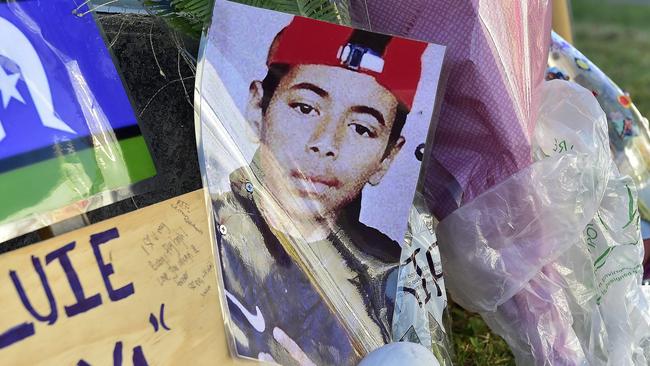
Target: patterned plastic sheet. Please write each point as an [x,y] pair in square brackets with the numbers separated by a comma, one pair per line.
[496,60]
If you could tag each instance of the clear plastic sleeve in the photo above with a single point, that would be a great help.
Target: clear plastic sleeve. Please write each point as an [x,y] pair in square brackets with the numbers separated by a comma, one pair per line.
[309,217]
[69,138]
[334,11]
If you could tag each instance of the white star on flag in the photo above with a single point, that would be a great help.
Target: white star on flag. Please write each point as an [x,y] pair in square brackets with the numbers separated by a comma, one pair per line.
[8,87]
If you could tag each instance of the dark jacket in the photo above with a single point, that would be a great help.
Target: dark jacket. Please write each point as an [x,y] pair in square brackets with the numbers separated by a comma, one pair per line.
[258,273]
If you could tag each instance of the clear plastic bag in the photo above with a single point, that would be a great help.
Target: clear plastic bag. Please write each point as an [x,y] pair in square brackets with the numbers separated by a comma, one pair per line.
[629,135]
[69,138]
[552,256]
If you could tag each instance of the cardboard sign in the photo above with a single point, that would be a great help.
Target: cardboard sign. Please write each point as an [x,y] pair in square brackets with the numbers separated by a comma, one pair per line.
[139,289]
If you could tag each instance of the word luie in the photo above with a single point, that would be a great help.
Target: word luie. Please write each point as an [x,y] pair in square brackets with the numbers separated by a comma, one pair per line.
[84,302]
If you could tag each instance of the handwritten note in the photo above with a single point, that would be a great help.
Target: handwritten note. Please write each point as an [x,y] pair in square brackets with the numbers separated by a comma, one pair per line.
[140,289]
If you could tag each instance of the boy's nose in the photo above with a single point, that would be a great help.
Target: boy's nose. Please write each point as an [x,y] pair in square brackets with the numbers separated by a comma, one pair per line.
[325,139]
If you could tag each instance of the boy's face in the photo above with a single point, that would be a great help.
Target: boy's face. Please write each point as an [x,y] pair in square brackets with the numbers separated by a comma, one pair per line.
[323,137]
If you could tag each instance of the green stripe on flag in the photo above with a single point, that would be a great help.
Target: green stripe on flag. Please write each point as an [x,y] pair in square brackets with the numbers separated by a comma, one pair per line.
[60,181]
[137,158]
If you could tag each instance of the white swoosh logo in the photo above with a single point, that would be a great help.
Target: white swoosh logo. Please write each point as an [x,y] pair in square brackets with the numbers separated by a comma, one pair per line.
[257,320]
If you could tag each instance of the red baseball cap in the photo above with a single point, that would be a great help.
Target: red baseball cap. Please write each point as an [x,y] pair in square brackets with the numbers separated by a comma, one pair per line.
[311,42]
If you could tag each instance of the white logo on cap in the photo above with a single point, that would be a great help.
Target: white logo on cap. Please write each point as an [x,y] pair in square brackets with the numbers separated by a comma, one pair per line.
[15,46]
[368,61]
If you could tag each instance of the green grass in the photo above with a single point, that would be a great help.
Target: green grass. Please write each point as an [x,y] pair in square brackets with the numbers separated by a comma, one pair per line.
[474,344]
[615,35]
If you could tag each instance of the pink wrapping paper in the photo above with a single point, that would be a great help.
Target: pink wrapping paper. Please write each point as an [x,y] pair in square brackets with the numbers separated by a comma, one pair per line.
[497,53]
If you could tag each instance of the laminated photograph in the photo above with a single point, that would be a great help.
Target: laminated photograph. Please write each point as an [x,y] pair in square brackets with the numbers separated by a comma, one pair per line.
[311,138]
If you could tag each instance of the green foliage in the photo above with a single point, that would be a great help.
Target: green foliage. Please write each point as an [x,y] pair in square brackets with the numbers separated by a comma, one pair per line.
[190,16]
[327,10]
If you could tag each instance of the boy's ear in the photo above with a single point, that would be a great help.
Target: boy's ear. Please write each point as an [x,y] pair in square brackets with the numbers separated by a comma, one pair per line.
[254,107]
[376,178]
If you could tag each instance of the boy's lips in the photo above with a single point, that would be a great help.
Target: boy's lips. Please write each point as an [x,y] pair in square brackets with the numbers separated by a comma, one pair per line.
[314,184]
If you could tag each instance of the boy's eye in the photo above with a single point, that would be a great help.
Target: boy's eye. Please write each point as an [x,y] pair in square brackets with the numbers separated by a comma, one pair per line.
[305,109]
[362,130]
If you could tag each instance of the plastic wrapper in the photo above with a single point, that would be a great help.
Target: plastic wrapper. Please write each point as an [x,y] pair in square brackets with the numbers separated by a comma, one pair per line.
[509,251]
[551,257]
[628,131]
[421,314]
[69,139]
[311,139]
[629,136]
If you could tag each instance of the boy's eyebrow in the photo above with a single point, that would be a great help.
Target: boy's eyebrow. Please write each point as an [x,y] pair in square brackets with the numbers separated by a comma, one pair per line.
[309,86]
[371,111]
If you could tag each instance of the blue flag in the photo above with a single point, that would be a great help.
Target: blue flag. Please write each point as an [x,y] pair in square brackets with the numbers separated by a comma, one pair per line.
[66,122]
[57,80]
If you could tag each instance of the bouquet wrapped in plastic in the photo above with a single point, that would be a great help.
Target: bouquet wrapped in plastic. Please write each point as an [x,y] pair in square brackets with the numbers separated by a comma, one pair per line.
[531,172]
[495,59]
[557,246]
